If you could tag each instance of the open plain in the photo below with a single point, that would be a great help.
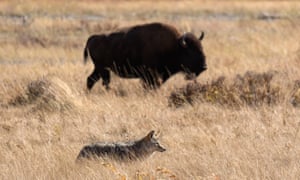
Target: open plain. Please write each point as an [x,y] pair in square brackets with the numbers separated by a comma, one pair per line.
[241,121]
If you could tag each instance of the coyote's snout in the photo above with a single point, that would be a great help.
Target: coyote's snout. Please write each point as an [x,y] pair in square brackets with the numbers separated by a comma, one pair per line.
[123,150]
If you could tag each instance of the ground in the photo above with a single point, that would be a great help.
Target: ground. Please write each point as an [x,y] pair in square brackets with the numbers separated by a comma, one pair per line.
[240,128]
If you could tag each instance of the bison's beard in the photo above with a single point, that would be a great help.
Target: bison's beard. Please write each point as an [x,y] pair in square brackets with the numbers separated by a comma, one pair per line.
[190,76]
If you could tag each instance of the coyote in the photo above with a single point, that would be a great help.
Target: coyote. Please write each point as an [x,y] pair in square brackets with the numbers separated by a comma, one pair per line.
[123,150]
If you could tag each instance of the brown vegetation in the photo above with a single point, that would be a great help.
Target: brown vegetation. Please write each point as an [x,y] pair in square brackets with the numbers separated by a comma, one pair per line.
[50,94]
[253,89]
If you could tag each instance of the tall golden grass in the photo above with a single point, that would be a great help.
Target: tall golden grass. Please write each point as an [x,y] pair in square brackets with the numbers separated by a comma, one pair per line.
[244,125]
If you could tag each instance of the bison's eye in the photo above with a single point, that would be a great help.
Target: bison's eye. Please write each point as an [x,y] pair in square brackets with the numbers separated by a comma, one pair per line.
[183,43]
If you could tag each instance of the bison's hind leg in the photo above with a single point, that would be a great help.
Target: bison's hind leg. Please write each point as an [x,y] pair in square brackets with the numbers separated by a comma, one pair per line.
[106,78]
[92,79]
[96,75]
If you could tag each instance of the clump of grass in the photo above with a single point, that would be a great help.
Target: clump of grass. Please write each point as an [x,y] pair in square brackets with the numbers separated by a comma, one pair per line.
[251,89]
[295,98]
[215,92]
[46,94]
[257,88]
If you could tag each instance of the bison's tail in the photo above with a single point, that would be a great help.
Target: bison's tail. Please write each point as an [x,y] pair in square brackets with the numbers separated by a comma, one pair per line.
[85,54]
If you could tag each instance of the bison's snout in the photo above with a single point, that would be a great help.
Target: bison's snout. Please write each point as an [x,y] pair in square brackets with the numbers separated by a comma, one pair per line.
[192,76]
[204,68]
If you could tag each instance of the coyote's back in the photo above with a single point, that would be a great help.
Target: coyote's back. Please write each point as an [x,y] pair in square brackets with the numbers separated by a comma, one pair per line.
[123,150]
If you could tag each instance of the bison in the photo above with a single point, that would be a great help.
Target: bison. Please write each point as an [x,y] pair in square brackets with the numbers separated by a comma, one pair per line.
[153,52]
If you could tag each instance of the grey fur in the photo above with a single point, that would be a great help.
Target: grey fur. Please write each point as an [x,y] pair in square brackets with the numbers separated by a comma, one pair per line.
[123,150]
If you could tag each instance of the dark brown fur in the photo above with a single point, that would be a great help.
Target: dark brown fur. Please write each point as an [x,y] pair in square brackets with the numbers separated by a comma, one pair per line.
[150,52]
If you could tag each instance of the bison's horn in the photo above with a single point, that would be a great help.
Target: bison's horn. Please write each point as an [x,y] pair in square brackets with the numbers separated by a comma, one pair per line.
[201,36]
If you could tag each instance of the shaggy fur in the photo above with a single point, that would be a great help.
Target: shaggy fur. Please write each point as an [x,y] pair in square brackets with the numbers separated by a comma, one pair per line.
[152,52]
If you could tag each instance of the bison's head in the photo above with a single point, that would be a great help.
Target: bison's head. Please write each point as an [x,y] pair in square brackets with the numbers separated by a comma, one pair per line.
[192,55]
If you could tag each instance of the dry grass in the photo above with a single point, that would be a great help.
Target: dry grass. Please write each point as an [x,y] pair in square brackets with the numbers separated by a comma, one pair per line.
[252,89]
[242,116]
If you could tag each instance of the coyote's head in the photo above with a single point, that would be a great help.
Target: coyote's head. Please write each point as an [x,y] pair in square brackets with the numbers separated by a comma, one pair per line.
[150,144]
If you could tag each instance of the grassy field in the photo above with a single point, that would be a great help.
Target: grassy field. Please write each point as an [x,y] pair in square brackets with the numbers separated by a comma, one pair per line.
[240,121]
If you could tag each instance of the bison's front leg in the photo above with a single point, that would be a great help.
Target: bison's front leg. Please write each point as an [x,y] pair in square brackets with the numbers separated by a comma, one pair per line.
[150,80]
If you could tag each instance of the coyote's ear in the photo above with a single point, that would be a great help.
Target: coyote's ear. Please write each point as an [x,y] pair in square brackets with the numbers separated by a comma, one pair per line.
[157,134]
[150,135]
